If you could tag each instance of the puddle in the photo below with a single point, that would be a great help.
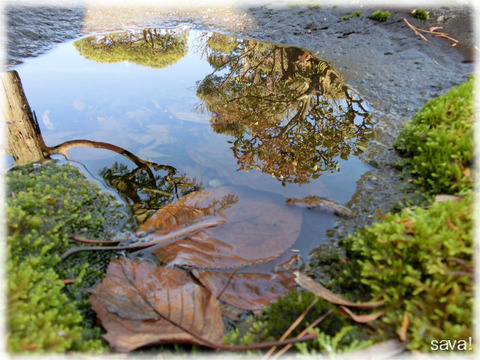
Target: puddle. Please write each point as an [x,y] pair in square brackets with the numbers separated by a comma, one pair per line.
[168,111]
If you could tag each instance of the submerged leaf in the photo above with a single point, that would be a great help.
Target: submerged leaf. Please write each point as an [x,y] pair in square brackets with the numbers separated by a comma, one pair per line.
[249,291]
[141,304]
[322,203]
[257,230]
[184,211]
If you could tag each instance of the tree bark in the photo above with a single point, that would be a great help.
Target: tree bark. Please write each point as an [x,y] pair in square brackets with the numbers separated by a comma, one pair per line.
[24,140]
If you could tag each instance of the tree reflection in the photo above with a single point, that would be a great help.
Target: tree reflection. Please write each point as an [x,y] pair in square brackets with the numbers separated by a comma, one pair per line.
[147,188]
[291,114]
[156,48]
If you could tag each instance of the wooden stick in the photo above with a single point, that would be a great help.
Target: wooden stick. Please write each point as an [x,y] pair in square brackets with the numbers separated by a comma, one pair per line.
[183,232]
[307,329]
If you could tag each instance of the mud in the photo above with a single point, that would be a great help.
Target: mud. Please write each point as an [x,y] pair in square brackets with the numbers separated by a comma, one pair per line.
[393,68]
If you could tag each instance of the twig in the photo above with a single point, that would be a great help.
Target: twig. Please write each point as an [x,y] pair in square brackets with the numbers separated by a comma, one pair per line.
[415,30]
[291,328]
[90,241]
[432,31]
[459,274]
[228,283]
[305,331]
[462,264]
[183,232]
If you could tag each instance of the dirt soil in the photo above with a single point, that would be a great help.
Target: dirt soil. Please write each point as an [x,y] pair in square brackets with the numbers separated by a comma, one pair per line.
[393,68]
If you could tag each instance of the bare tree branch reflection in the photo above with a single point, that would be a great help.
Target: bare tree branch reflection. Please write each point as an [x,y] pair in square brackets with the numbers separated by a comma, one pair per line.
[291,114]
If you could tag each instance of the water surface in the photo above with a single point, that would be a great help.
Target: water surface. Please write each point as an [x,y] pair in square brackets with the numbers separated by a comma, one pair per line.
[203,110]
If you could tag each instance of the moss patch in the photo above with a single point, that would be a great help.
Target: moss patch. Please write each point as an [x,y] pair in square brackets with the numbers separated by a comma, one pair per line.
[334,334]
[438,142]
[420,14]
[45,205]
[354,14]
[380,16]
[418,261]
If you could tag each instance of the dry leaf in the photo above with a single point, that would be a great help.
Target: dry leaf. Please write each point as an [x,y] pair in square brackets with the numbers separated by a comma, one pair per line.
[249,291]
[141,304]
[314,287]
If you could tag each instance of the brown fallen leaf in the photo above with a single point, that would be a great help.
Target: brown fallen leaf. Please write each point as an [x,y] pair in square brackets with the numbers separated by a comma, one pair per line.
[257,230]
[308,284]
[249,291]
[139,304]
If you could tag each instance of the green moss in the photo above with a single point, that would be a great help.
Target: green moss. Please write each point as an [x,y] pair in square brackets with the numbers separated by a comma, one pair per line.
[354,14]
[415,261]
[420,260]
[335,332]
[380,16]
[438,143]
[420,14]
[45,205]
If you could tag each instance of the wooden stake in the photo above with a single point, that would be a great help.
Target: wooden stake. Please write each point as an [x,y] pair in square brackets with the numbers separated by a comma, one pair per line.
[24,141]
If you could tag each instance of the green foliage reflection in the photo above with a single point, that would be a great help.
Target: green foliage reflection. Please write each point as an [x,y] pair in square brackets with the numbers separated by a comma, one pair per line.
[291,114]
[156,48]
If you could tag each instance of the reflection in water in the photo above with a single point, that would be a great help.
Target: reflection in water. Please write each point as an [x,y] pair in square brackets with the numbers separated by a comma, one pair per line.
[290,112]
[146,189]
[279,109]
[156,48]
[286,113]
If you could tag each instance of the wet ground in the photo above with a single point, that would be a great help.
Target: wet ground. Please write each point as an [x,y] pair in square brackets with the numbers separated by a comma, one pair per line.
[394,69]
